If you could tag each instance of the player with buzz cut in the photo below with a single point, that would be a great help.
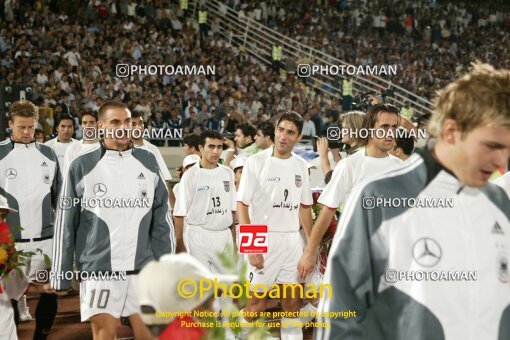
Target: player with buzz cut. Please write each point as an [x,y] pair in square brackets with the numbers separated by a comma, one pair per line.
[89,141]
[275,191]
[114,239]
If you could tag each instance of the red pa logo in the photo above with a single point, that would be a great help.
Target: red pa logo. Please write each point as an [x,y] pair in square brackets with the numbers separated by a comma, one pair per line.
[253,239]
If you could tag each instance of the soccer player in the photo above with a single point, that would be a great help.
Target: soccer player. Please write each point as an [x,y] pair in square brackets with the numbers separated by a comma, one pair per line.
[89,141]
[265,135]
[60,144]
[205,204]
[275,191]
[205,208]
[137,139]
[190,145]
[375,260]
[111,239]
[30,179]
[366,162]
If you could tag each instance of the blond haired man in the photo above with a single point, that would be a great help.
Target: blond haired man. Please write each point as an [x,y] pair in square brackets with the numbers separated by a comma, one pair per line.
[389,262]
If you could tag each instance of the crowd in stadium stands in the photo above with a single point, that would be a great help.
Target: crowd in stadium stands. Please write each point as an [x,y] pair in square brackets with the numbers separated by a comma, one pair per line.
[433,42]
[70,59]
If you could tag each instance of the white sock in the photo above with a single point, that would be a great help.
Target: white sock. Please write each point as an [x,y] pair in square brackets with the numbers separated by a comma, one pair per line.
[290,329]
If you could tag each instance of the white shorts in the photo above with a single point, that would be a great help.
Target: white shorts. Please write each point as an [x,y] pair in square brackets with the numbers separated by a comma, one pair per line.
[36,261]
[206,245]
[281,260]
[115,297]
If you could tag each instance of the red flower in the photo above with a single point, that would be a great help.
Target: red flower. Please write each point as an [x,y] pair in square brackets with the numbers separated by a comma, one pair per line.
[5,234]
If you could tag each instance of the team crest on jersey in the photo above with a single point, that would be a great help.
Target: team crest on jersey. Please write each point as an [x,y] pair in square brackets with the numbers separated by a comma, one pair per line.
[298,181]
[226,185]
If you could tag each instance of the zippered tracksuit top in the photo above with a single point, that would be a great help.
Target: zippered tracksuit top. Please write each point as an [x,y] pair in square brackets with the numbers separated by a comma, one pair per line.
[472,236]
[30,180]
[106,238]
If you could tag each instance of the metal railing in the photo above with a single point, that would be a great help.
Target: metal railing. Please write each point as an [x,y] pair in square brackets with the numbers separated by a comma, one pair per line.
[258,40]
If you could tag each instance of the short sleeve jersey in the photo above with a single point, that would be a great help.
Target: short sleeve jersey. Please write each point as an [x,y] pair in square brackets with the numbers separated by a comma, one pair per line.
[274,189]
[207,197]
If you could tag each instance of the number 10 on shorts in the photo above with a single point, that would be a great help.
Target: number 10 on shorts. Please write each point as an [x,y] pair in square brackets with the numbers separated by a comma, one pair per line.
[253,239]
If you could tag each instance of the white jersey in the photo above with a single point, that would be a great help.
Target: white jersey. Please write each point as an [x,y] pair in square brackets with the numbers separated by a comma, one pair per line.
[74,151]
[207,197]
[60,150]
[274,189]
[159,158]
[351,171]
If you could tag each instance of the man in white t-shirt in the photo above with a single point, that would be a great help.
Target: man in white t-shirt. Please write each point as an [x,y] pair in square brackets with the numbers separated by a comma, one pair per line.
[275,191]
[89,141]
[205,205]
[137,124]
[60,144]
[371,160]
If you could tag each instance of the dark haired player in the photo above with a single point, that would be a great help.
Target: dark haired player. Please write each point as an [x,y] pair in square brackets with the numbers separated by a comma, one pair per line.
[275,191]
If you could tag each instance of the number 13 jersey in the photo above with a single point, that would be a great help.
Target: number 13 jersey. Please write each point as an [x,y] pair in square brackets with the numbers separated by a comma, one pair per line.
[207,197]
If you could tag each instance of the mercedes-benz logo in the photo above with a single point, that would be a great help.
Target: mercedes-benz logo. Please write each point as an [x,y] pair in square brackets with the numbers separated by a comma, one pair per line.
[427,252]
[11,173]
[100,189]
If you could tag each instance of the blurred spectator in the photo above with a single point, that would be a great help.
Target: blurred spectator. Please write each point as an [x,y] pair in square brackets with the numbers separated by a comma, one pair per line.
[308,126]
[158,123]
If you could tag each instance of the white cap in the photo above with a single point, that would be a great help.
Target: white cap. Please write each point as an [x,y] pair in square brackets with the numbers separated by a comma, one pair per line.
[4,205]
[238,162]
[159,282]
[190,159]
